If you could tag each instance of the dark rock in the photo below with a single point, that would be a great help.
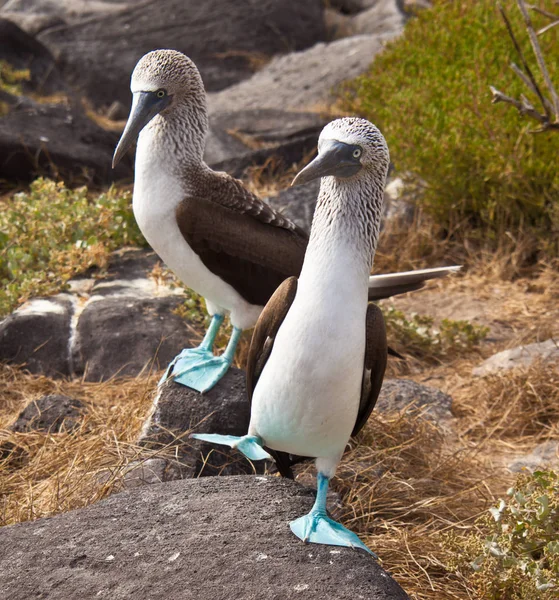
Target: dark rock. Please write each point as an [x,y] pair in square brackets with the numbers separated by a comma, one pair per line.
[398,395]
[298,203]
[351,7]
[37,335]
[57,141]
[301,81]
[124,335]
[284,154]
[545,455]
[206,539]
[521,356]
[181,410]
[49,413]
[31,23]
[21,51]
[238,133]
[224,38]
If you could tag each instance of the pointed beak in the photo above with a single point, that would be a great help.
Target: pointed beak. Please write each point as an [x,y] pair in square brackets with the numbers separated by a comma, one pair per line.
[335,158]
[145,105]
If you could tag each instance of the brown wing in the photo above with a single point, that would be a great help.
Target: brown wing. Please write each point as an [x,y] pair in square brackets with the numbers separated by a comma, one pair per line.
[261,346]
[252,254]
[376,356]
[231,193]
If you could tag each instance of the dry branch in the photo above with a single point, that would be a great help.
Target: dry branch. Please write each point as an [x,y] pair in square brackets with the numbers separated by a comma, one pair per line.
[549,118]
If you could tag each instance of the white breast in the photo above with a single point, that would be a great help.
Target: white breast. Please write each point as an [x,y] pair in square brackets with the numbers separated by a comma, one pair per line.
[157,193]
[307,398]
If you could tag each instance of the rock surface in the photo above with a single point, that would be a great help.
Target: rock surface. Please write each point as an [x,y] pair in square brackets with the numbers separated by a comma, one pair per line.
[37,335]
[56,140]
[180,410]
[521,356]
[542,456]
[204,539]
[22,51]
[398,395]
[225,39]
[119,325]
[50,413]
[303,80]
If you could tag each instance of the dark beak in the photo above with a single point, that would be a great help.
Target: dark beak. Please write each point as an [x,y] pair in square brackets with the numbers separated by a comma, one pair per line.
[145,105]
[335,158]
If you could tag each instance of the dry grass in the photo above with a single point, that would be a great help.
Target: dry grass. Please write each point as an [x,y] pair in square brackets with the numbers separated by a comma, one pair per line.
[46,473]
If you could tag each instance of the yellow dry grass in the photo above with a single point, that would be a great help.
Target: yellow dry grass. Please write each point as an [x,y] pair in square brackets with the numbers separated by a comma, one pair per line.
[46,473]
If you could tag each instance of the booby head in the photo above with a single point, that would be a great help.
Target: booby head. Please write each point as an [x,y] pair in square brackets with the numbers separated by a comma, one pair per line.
[162,82]
[348,148]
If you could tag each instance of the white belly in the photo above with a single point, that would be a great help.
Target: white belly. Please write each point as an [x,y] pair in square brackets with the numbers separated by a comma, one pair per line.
[307,398]
[157,194]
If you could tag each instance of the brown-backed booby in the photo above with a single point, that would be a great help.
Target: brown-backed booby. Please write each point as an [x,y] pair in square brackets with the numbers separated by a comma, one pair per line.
[314,378]
[216,236]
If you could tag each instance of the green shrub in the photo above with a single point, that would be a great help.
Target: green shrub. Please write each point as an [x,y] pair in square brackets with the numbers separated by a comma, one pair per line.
[429,94]
[51,233]
[419,337]
[515,553]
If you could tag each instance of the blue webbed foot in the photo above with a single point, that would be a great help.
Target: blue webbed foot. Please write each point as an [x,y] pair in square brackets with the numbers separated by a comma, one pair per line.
[318,528]
[198,368]
[249,445]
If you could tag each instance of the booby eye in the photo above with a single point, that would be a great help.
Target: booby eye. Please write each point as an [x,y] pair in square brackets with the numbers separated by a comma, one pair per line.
[160,93]
[357,153]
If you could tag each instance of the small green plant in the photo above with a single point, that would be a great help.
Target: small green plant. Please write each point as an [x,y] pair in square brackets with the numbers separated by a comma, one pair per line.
[11,79]
[420,338]
[51,233]
[514,555]
[483,172]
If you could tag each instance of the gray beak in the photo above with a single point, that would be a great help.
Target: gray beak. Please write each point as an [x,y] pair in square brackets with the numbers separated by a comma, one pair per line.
[335,158]
[145,105]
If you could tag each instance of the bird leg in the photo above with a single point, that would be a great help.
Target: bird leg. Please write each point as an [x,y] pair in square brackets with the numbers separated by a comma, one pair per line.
[198,368]
[318,528]
[249,445]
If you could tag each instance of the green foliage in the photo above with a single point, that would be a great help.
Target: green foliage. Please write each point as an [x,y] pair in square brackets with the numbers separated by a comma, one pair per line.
[515,553]
[419,336]
[11,79]
[429,94]
[51,233]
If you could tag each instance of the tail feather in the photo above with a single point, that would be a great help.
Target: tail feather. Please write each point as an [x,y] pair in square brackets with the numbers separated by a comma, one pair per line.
[392,284]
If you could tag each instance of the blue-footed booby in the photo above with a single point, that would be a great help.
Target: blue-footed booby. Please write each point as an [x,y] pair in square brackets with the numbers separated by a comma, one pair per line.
[317,358]
[214,234]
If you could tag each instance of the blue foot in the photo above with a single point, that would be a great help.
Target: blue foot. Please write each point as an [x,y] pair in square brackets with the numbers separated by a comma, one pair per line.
[198,368]
[318,528]
[249,445]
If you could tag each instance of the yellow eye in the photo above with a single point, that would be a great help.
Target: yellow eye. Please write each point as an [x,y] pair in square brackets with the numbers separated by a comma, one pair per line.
[160,93]
[357,153]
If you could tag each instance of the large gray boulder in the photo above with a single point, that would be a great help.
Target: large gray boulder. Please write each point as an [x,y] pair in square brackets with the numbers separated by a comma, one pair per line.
[225,39]
[214,538]
[180,410]
[37,335]
[301,81]
[521,356]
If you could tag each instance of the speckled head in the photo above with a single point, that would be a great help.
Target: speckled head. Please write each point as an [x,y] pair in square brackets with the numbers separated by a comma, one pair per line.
[167,70]
[348,148]
[166,84]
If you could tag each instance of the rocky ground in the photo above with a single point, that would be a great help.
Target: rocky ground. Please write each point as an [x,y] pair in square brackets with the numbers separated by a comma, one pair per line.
[83,420]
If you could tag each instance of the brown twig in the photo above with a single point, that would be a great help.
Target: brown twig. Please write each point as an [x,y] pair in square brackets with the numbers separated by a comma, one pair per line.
[524,106]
